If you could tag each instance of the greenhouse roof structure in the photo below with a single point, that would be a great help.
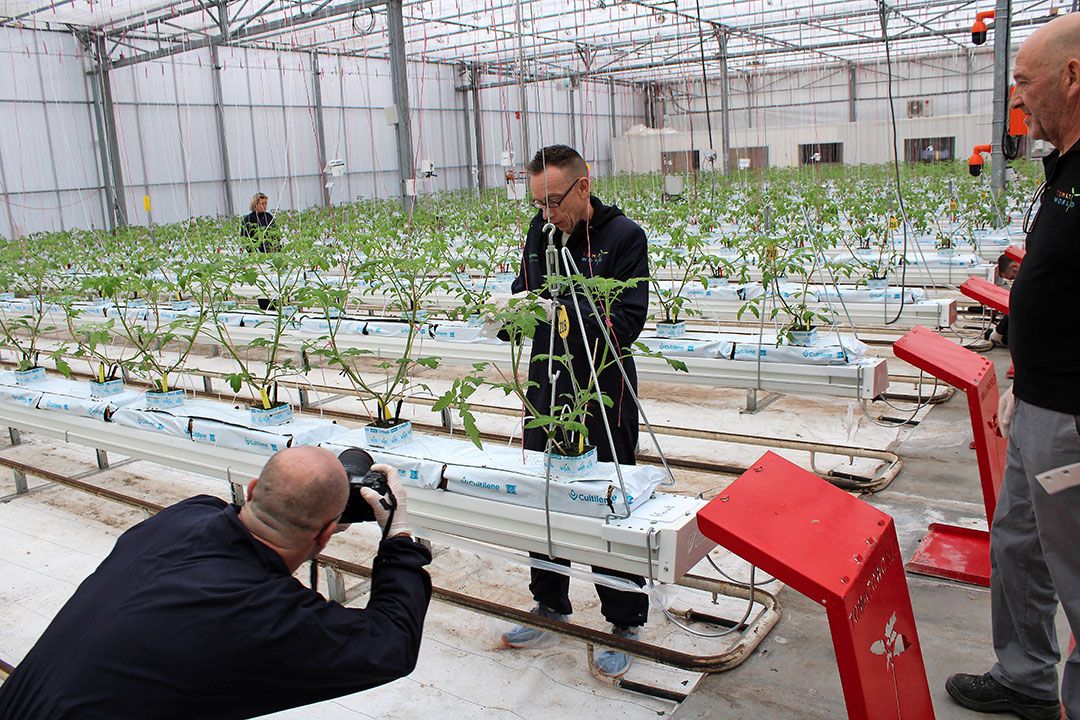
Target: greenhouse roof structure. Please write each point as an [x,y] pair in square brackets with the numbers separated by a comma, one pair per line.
[628,40]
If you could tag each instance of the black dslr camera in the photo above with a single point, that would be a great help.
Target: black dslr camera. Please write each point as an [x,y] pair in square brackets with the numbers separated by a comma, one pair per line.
[358,466]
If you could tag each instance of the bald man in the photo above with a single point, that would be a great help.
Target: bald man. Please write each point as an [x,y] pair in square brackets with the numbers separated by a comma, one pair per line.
[195,612]
[1034,555]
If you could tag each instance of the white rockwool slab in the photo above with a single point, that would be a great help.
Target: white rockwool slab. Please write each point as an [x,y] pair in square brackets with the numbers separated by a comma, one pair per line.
[225,425]
[509,475]
[828,349]
[62,395]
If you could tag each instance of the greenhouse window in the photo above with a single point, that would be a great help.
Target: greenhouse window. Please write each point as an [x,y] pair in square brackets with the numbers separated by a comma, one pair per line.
[818,153]
[929,149]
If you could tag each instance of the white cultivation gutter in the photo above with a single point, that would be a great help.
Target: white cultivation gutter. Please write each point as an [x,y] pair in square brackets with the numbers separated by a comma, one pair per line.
[666,525]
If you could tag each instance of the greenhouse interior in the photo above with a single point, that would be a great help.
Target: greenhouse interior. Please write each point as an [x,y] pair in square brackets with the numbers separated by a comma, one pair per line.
[538,359]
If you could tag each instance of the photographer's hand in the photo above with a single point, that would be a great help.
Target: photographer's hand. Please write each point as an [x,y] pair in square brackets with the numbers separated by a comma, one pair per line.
[383,506]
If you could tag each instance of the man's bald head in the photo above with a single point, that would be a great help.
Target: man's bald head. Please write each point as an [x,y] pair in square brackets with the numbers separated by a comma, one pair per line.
[299,491]
[1056,42]
[1047,77]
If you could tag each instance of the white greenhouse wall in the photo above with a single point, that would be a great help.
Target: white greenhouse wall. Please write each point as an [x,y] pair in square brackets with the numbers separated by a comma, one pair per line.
[549,121]
[51,167]
[783,110]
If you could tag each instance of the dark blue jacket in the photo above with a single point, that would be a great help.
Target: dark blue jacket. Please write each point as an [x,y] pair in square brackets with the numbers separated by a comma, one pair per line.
[191,617]
[610,245]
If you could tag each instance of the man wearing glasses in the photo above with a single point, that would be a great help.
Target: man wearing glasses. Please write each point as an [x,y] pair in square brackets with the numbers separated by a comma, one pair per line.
[603,243]
[1033,550]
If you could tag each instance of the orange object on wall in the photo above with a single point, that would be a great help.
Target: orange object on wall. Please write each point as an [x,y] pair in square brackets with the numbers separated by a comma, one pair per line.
[1017,120]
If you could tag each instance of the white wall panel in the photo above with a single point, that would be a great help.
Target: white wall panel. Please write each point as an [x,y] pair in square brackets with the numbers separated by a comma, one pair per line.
[168,135]
[242,147]
[25,147]
[77,209]
[201,148]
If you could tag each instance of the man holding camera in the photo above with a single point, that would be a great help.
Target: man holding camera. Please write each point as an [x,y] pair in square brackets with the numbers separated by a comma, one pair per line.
[196,613]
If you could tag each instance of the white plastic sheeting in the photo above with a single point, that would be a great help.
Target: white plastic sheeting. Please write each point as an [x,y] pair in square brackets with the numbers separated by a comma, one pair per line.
[508,475]
[62,395]
[216,423]
[828,349]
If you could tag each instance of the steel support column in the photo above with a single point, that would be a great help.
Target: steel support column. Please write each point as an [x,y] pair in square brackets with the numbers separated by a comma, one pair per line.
[523,99]
[970,78]
[725,105]
[7,202]
[611,109]
[470,177]
[320,128]
[107,128]
[852,85]
[1002,23]
[395,26]
[478,127]
[573,118]
[219,117]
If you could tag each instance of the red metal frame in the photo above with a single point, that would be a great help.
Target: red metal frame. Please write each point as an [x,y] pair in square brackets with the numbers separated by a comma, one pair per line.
[1015,252]
[986,293]
[946,551]
[842,553]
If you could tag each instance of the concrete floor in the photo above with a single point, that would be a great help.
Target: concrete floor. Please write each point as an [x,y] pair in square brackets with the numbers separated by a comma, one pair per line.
[793,674]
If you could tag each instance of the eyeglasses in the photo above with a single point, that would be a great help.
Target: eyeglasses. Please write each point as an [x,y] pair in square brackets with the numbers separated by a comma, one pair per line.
[1030,217]
[551,202]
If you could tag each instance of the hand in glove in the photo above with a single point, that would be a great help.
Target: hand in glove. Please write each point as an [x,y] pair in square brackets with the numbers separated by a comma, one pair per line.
[389,511]
[1006,406]
[502,303]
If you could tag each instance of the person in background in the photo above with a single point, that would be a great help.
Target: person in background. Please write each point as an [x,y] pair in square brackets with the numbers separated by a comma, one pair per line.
[1007,268]
[196,614]
[603,243]
[255,225]
[1035,562]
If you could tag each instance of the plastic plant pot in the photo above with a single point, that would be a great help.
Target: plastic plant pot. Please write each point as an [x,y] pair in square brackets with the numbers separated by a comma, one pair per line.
[179,305]
[388,434]
[106,389]
[29,377]
[877,284]
[156,400]
[572,466]
[268,417]
[717,282]
[671,329]
[804,338]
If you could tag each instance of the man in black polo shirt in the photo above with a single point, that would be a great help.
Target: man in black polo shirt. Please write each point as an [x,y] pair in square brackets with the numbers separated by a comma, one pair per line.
[1033,539]
[195,612]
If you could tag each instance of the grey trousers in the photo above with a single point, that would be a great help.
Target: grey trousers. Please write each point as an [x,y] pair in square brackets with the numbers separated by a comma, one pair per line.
[1035,558]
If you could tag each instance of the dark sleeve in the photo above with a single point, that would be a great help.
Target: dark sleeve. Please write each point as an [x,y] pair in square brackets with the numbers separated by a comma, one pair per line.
[246,226]
[316,650]
[626,316]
